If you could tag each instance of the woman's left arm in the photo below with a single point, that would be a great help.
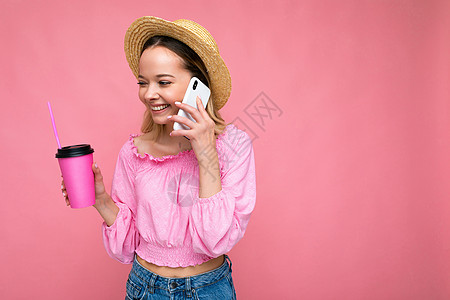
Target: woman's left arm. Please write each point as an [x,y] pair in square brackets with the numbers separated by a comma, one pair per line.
[218,222]
[227,196]
[203,142]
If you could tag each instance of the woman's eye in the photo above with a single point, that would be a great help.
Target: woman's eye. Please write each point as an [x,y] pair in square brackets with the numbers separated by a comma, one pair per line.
[141,83]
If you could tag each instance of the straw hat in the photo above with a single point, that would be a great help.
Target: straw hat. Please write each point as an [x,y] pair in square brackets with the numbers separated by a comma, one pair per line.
[190,33]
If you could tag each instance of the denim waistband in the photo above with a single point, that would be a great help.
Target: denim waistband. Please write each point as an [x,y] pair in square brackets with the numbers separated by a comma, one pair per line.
[173,284]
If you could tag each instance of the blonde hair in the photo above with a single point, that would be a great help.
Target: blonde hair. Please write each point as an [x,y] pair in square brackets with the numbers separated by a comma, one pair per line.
[193,63]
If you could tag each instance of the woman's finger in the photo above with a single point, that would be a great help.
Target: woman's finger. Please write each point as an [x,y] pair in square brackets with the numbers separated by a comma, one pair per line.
[63,187]
[98,177]
[182,132]
[98,180]
[181,119]
[201,109]
[66,198]
[191,110]
[64,192]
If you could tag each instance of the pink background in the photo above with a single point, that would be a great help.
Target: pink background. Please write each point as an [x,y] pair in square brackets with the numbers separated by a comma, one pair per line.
[352,174]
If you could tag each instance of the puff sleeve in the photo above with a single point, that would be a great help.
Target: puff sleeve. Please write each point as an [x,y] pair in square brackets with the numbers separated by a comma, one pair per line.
[217,223]
[121,238]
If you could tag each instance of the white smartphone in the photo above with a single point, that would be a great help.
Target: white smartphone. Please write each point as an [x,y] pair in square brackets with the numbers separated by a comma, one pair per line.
[195,88]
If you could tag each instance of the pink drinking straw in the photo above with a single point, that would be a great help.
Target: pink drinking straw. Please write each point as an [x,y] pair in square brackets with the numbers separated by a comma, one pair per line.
[54,126]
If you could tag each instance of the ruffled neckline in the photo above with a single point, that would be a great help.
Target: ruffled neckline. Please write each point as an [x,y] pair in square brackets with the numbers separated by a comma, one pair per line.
[185,153]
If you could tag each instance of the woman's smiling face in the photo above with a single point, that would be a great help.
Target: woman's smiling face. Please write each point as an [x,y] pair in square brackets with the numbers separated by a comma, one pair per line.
[162,81]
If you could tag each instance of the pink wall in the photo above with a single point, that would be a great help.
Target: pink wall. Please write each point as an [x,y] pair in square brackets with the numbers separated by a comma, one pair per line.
[352,170]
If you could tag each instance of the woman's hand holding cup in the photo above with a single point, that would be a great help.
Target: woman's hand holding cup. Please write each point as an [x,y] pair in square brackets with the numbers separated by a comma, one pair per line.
[100,192]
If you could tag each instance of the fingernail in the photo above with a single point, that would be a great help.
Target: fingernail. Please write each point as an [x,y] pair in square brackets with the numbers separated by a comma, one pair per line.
[168,117]
[177,102]
[96,166]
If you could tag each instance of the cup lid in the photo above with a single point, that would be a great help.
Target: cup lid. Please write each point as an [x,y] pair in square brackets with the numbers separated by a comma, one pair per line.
[74,151]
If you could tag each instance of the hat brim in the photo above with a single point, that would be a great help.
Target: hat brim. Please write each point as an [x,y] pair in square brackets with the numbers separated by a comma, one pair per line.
[144,28]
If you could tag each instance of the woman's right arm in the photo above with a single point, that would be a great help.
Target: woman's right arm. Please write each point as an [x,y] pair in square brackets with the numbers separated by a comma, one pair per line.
[120,236]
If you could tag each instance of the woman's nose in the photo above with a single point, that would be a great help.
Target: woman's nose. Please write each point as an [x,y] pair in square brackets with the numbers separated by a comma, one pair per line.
[152,92]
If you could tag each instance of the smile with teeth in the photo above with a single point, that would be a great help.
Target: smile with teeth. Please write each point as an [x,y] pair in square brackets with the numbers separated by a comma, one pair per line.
[160,107]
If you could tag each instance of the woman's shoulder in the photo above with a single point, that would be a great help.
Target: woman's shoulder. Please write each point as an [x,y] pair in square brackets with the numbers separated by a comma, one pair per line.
[129,149]
[235,132]
[136,141]
[233,137]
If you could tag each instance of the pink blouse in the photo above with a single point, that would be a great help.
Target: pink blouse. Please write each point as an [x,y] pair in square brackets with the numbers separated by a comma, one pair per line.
[161,217]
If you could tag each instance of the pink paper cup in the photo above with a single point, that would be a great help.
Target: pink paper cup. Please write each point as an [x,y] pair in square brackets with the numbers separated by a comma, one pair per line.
[75,163]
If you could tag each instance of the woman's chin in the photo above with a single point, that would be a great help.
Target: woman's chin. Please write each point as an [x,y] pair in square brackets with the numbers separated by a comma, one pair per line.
[163,121]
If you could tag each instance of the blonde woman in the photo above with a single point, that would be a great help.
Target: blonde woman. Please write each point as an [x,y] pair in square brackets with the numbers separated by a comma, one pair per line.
[180,200]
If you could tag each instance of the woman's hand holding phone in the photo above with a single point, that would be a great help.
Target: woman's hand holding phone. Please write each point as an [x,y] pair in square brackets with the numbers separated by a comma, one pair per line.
[201,132]
[196,88]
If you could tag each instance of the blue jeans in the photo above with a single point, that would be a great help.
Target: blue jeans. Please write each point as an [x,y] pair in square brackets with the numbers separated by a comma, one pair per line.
[215,284]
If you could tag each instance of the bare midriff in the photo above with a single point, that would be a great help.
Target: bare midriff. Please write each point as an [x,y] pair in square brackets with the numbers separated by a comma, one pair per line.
[180,271]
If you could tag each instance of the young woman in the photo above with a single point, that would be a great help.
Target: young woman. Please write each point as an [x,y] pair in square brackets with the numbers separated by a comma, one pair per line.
[180,200]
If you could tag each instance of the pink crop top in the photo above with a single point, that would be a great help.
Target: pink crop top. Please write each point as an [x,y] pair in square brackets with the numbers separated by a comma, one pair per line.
[161,217]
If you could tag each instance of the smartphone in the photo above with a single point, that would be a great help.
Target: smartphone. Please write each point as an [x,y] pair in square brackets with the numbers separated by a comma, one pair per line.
[195,88]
